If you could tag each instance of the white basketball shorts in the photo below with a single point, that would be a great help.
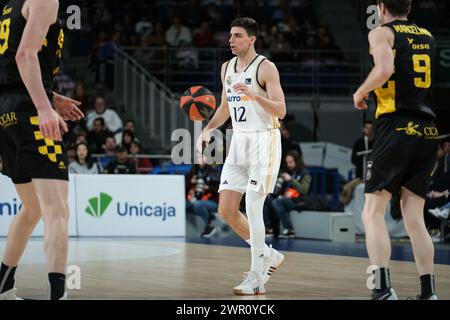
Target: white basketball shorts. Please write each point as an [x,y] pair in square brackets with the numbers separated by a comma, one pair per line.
[253,161]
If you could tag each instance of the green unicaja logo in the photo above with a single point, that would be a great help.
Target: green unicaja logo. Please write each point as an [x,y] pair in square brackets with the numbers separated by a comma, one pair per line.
[98,205]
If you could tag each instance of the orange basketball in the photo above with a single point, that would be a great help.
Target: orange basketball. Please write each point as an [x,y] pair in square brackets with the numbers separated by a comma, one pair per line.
[198,103]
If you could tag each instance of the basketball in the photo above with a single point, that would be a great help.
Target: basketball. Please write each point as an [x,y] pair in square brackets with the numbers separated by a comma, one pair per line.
[198,103]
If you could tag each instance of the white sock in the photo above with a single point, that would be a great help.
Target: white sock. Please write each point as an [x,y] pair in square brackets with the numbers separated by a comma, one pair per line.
[266,248]
[254,208]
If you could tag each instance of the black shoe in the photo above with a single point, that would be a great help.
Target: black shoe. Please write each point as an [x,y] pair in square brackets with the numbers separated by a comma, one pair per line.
[209,232]
[388,294]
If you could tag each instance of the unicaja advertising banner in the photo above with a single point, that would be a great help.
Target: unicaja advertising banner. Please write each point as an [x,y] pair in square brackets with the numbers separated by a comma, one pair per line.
[10,206]
[130,205]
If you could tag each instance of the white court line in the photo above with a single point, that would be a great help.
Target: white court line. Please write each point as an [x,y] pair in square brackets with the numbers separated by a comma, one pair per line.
[90,251]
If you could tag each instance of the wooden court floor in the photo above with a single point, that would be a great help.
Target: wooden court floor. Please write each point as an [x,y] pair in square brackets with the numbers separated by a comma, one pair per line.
[149,269]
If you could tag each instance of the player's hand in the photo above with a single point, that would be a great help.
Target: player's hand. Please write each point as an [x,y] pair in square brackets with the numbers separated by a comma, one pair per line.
[286,177]
[204,136]
[360,100]
[51,124]
[242,88]
[67,108]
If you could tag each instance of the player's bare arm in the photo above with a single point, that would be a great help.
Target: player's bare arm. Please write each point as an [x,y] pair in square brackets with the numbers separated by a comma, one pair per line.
[381,41]
[222,114]
[40,15]
[268,75]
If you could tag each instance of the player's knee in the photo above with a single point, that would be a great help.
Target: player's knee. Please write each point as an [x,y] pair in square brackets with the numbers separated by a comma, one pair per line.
[30,215]
[56,211]
[370,214]
[227,211]
[413,223]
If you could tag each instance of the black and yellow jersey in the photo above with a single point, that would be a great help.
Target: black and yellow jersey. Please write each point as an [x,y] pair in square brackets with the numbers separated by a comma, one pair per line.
[12,25]
[409,88]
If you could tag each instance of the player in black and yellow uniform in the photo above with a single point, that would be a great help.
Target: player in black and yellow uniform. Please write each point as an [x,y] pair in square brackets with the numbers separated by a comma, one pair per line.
[405,140]
[31,43]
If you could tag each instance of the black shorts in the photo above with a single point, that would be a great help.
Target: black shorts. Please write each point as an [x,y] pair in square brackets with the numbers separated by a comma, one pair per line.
[403,155]
[25,154]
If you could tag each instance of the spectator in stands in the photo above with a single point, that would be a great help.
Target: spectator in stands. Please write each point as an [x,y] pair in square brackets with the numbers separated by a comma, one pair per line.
[143,26]
[292,188]
[127,139]
[105,56]
[144,56]
[264,37]
[157,37]
[362,144]
[97,136]
[64,84]
[437,204]
[178,35]
[311,42]
[129,125]
[202,186]
[120,165]
[112,119]
[80,95]
[443,211]
[71,153]
[441,165]
[110,146]
[280,43]
[214,15]
[282,11]
[296,35]
[81,137]
[287,143]
[83,163]
[203,36]
[143,165]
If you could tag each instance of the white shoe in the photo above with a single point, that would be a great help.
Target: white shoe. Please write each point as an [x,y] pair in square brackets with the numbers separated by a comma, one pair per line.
[272,263]
[251,286]
[9,295]
[64,297]
[440,214]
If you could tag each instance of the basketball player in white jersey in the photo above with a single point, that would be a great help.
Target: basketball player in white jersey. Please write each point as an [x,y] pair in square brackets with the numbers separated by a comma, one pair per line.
[253,97]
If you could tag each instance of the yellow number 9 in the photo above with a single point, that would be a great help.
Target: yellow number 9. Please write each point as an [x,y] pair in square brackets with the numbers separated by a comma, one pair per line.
[422,64]
[4,35]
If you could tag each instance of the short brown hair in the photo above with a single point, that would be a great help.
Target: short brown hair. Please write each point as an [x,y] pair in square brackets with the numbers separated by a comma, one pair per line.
[249,24]
[397,8]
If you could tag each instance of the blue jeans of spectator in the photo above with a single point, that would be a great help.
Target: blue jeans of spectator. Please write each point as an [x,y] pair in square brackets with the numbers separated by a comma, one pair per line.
[282,206]
[202,208]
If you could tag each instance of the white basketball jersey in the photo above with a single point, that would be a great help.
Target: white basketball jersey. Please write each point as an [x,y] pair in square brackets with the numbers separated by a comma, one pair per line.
[245,112]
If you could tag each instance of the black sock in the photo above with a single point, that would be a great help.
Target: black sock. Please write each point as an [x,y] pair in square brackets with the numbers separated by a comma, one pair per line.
[7,277]
[427,285]
[382,279]
[57,285]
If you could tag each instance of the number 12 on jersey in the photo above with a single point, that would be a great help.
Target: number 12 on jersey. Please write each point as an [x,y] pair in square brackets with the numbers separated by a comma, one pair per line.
[239,114]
